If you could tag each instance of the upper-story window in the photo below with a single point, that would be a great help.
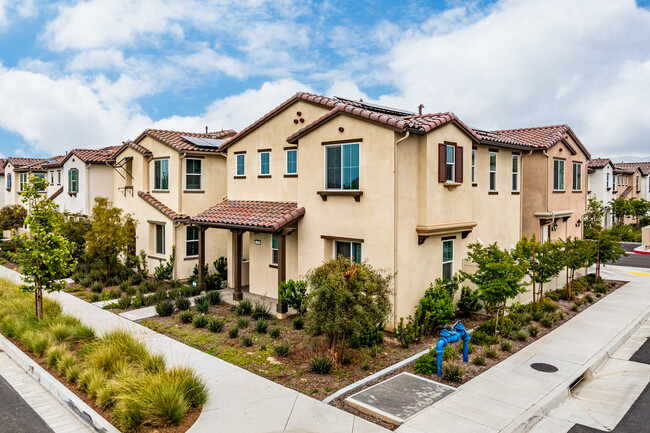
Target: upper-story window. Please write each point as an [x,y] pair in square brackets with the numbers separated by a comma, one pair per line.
[515,173]
[349,250]
[577,176]
[558,174]
[161,174]
[58,177]
[51,177]
[493,171]
[451,163]
[473,165]
[637,183]
[193,169]
[160,239]
[9,181]
[292,161]
[342,166]
[73,180]
[265,163]
[22,181]
[241,164]
[607,180]
[274,250]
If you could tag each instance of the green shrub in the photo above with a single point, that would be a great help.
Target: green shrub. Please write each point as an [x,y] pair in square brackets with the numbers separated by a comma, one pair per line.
[166,404]
[186,316]
[575,306]
[202,304]
[54,353]
[233,332]
[427,363]
[124,302]
[97,287]
[200,321]
[293,293]
[298,323]
[183,304]
[216,324]
[506,345]
[346,359]
[481,338]
[490,352]
[261,326]
[214,297]
[242,322]
[282,350]
[449,354]
[137,301]
[521,335]
[533,331]
[321,364]
[600,288]
[147,287]
[548,320]
[160,295]
[589,298]
[407,333]
[479,360]
[275,333]
[245,306]
[469,302]
[165,308]
[452,372]
[165,269]
[94,297]
[246,341]
[372,336]
[436,307]
[548,306]
[261,311]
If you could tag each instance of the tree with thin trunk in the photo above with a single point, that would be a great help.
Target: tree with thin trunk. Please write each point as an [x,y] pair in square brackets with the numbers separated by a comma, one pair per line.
[44,255]
[579,253]
[546,260]
[346,299]
[607,249]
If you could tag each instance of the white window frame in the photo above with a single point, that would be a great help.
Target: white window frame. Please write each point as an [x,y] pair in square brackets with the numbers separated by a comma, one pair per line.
[450,166]
[162,243]
[325,170]
[262,173]
[189,241]
[561,184]
[607,176]
[447,242]
[473,166]
[52,177]
[199,174]
[58,177]
[287,159]
[351,244]
[241,156]
[159,163]
[275,251]
[573,177]
[493,172]
[9,182]
[41,176]
[72,190]
[515,173]
[22,181]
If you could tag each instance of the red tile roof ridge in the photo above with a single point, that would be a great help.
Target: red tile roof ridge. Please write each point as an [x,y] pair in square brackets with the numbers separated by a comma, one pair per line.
[56,193]
[598,162]
[175,140]
[643,166]
[254,214]
[161,207]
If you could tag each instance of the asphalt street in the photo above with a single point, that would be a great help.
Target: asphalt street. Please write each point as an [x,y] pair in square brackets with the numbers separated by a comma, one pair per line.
[633,260]
[16,416]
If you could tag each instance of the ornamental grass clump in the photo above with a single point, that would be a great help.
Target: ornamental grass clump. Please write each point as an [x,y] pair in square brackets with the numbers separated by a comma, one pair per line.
[165,308]
[183,304]
[186,316]
[282,350]
[452,372]
[242,322]
[261,311]
[261,326]
[214,297]
[202,304]
[243,307]
[506,345]
[200,321]
[216,324]
[321,364]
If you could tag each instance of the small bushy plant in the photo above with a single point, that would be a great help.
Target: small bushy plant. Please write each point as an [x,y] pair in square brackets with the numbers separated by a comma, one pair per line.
[449,354]
[233,332]
[479,360]
[186,316]
[261,311]
[533,331]
[124,302]
[427,363]
[452,372]
[490,352]
[183,304]
[293,293]
[298,323]
[321,364]
[274,333]
[282,349]
[469,302]
[246,341]
[214,297]
[242,322]
[436,308]
[506,345]
[202,304]
[216,324]
[245,306]
[97,287]
[261,325]
[200,321]
[165,308]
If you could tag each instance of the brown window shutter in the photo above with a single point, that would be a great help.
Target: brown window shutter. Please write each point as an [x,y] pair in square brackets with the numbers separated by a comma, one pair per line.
[442,162]
[459,164]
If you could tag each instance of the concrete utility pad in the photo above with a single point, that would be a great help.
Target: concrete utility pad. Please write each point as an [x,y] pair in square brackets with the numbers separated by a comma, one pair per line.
[400,397]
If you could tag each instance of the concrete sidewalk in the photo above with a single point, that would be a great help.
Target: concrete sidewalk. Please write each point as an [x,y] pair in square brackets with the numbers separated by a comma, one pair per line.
[512,397]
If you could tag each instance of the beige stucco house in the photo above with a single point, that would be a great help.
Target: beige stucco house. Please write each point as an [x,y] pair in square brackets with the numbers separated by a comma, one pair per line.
[17,173]
[601,185]
[319,177]
[161,177]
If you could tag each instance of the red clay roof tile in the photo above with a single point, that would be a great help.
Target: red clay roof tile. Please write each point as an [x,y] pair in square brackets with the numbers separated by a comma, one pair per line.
[174,139]
[265,215]
[598,163]
[643,166]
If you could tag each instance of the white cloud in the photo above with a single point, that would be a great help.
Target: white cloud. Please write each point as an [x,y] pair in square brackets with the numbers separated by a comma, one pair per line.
[528,63]
[22,8]
[94,60]
[206,60]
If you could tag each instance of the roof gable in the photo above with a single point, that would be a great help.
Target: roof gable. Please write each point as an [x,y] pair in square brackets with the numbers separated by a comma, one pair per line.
[175,140]
[92,156]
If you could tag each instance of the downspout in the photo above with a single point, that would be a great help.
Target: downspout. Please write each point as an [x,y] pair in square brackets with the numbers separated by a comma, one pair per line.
[180,206]
[395,207]
[547,194]
[521,195]
[87,199]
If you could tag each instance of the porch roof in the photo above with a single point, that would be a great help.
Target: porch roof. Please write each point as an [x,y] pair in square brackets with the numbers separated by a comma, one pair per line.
[264,216]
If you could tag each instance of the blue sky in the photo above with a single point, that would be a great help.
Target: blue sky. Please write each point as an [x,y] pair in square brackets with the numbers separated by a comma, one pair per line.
[94,73]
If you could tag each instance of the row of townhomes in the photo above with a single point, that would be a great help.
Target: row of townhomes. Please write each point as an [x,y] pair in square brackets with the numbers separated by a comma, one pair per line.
[319,177]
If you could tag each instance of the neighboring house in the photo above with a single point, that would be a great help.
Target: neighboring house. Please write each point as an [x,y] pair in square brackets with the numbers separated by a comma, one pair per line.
[640,180]
[2,181]
[320,177]
[601,182]
[80,176]
[553,181]
[17,173]
[161,177]
[629,180]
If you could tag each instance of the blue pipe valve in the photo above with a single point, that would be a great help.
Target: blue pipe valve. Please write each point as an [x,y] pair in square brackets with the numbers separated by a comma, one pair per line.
[452,335]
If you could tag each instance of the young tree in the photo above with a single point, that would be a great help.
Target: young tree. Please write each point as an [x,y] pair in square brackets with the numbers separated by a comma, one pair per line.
[620,209]
[346,298]
[545,261]
[498,277]
[111,239]
[579,253]
[44,255]
[607,249]
[638,208]
[74,228]
[593,219]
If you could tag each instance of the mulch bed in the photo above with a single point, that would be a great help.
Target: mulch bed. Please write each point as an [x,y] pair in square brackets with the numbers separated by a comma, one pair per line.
[12,266]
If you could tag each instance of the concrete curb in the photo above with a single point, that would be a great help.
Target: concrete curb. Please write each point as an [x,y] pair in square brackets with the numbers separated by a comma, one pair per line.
[67,398]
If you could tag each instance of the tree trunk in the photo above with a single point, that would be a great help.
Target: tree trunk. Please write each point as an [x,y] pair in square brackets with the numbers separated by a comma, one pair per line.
[38,303]
[600,233]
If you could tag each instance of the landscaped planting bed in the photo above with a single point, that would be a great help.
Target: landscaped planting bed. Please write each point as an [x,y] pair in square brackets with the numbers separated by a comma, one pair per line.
[114,374]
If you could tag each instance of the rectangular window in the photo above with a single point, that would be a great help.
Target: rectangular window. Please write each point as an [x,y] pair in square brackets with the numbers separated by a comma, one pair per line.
[558,174]
[73,180]
[448,259]
[515,173]
[191,241]
[473,166]
[607,180]
[342,166]
[265,163]
[51,178]
[292,161]
[241,164]
[22,181]
[193,174]
[40,176]
[451,154]
[160,239]
[58,177]
[274,250]
[349,250]
[493,171]
[9,181]
[637,183]
[577,176]
[161,174]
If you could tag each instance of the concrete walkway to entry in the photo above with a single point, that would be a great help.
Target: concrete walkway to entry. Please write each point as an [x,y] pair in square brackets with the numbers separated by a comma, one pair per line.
[511,396]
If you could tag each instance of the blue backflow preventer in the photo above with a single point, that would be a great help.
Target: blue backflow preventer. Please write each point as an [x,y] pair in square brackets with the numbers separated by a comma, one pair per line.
[452,334]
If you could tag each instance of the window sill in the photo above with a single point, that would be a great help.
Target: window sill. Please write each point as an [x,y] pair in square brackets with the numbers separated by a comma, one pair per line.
[356,194]
[193,191]
[577,192]
[608,189]
[474,184]
[72,194]
[191,258]
[240,176]
[559,192]
[291,175]
[451,185]
[274,266]
[493,192]
[263,176]
[157,191]
[515,192]
[157,256]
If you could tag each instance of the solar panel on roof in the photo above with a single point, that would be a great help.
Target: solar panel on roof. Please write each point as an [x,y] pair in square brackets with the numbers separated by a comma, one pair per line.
[381,108]
[204,142]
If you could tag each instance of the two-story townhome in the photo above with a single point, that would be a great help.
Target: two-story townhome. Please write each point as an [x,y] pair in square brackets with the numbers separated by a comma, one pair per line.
[2,181]
[161,177]
[553,182]
[321,177]
[640,182]
[601,184]
[80,176]
[17,174]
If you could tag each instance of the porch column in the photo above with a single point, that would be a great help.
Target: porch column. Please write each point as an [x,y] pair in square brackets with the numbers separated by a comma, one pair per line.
[237,236]
[201,282]
[282,272]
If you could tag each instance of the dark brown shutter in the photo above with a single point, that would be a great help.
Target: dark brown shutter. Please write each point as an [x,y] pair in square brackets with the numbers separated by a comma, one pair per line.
[459,164]
[442,162]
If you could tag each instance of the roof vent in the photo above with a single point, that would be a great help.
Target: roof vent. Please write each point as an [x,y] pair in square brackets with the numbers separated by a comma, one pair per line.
[206,129]
[420,107]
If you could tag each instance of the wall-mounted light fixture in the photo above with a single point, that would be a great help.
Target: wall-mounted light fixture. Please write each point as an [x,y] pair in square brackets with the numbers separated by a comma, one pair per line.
[578,223]
[258,242]
[554,227]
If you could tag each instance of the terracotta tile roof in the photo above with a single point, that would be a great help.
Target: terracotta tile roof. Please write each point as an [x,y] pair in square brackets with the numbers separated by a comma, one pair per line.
[261,215]
[162,208]
[541,137]
[599,162]
[55,194]
[55,161]
[626,191]
[22,162]
[92,156]
[2,167]
[174,139]
[620,169]
[643,166]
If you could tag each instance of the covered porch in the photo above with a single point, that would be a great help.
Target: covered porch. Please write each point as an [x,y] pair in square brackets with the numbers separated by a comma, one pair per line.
[279,219]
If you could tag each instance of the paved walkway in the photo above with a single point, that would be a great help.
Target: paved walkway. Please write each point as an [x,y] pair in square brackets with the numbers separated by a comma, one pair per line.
[27,407]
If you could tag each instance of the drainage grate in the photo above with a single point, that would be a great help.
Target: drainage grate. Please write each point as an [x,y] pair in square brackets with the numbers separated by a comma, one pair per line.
[544,367]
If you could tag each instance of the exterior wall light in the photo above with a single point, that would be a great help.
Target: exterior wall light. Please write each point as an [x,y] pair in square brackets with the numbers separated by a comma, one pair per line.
[258,242]
[578,223]
[554,227]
